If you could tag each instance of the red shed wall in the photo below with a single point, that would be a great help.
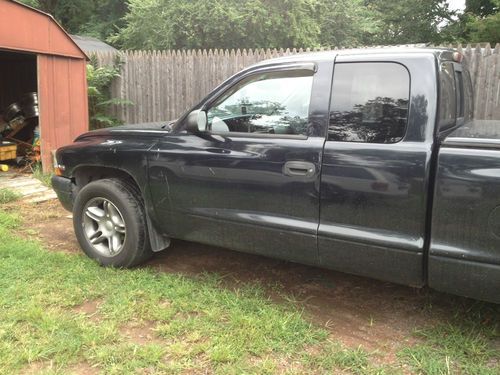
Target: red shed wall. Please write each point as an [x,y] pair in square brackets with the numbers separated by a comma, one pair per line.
[25,29]
[62,88]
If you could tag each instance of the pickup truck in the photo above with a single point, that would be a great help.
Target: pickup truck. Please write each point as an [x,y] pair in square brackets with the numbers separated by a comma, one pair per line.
[363,161]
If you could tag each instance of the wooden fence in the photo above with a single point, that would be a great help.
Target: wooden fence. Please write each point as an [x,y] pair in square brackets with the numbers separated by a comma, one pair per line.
[162,85]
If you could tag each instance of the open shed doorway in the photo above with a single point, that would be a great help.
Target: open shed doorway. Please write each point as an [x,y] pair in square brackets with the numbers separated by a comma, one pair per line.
[19,112]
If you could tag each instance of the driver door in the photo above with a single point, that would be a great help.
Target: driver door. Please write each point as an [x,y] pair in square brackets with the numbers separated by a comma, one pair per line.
[250,180]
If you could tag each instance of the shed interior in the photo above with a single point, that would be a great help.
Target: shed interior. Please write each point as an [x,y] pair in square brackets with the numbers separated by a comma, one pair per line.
[17,76]
[18,108]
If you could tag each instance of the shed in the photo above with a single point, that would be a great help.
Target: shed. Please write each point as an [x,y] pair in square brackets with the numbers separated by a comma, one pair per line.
[37,55]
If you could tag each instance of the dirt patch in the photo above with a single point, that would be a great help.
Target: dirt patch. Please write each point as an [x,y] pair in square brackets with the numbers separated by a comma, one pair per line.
[82,368]
[141,333]
[375,315]
[57,234]
[90,309]
[35,368]
[378,316]
[49,222]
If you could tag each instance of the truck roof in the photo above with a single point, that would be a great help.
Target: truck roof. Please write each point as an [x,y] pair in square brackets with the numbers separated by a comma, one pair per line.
[331,54]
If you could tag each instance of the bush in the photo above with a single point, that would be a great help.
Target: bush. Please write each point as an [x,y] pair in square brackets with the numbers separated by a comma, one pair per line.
[99,81]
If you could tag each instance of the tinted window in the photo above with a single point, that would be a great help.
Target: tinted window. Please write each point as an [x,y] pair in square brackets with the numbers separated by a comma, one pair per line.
[448,101]
[369,102]
[272,103]
[468,102]
[460,94]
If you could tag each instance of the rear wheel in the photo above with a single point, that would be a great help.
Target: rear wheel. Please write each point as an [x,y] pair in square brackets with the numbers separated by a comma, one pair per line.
[110,223]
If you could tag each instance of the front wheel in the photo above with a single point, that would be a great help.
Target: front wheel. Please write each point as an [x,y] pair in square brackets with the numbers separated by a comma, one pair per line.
[110,223]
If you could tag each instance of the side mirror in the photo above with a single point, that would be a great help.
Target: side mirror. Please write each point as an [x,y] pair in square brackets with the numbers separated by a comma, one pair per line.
[196,122]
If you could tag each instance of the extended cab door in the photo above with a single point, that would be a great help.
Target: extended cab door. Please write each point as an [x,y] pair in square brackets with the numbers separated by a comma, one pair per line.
[250,181]
[376,166]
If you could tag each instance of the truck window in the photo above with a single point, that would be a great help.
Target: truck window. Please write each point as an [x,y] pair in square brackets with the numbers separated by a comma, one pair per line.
[460,94]
[272,103]
[448,99]
[468,102]
[369,102]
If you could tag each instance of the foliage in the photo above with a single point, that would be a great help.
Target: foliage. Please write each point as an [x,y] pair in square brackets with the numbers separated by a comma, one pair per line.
[31,3]
[482,21]
[8,196]
[193,24]
[408,21]
[39,174]
[106,19]
[97,18]
[272,23]
[99,80]
[70,13]
[485,30]
[481,8]
[176,24]
[346,23]
[479,23]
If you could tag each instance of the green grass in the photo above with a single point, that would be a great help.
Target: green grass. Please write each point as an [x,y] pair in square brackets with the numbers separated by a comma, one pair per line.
[39,174]
[463,345]
[197,324]
[8,196]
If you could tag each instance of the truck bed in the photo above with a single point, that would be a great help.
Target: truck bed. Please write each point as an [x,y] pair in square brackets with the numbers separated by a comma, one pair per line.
[476,134]
[464,254]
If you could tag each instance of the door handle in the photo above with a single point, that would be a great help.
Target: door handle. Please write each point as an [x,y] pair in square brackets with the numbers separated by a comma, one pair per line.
[299,168]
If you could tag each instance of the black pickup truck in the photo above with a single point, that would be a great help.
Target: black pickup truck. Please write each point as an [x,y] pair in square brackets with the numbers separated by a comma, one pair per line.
[363,161]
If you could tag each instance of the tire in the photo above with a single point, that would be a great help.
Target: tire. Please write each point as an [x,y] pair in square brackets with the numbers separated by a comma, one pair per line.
[110,223]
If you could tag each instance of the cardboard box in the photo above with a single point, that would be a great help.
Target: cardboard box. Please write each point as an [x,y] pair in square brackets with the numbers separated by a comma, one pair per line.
[8,151]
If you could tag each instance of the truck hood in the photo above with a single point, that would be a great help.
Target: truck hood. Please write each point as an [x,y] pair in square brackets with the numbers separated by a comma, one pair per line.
[143,130]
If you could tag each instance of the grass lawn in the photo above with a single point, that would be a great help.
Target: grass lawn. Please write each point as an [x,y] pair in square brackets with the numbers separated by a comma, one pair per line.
[61,313]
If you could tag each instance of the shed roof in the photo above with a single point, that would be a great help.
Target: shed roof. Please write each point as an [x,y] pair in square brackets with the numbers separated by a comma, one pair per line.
[92,45]
[27,29]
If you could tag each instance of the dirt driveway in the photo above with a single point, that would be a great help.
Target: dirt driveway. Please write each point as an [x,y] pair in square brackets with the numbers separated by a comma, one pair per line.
[377,316]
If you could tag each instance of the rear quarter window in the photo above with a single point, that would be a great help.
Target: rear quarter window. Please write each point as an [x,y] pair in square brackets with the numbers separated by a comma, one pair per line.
[448,99]
[468,98]
[455,96]
[460,93]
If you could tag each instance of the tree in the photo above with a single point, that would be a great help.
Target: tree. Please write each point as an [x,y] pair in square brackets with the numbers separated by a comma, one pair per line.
[479,23]
[486,29]
[409,21]
[106,19]
[175,24]
[346,23]
[192,24]
[481,8]
[483,21]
